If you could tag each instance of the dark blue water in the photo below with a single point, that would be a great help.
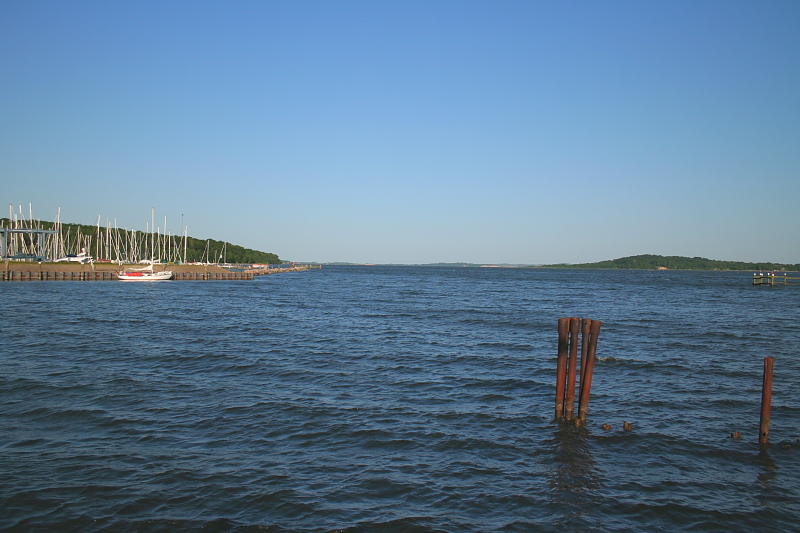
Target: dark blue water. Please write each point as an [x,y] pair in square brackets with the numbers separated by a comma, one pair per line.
[396,399]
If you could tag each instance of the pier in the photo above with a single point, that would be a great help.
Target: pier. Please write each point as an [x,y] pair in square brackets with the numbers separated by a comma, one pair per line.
[771,279]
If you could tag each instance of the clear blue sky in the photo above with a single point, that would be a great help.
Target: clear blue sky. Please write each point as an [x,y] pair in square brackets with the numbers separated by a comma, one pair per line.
[413,132]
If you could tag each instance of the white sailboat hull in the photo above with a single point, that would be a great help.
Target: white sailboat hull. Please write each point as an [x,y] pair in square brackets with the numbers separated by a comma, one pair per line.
[145,276]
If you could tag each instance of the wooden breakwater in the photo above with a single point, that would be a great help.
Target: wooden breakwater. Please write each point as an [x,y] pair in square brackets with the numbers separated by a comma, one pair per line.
[105,275]
[268,271]
[34,272]
[211,276]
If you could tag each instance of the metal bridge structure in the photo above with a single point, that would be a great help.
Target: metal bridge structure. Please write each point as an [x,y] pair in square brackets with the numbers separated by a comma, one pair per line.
[40,243]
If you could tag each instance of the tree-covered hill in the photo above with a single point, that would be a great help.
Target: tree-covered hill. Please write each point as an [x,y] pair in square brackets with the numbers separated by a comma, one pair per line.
[672,262]
[219,251]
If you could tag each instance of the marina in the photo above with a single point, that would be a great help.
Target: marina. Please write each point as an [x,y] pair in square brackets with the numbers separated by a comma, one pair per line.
[24,238]
[34,250]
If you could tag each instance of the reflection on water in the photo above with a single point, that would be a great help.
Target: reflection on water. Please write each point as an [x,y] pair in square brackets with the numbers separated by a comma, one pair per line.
[572,475]
[767,470]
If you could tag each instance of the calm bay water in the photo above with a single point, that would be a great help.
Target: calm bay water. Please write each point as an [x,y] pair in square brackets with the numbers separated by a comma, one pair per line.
[396,399]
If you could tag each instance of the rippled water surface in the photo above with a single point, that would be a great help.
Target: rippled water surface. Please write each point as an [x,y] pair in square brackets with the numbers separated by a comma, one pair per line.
[396,399]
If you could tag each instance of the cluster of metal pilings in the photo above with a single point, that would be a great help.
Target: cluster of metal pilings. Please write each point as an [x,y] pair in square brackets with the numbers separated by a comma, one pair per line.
[571,367]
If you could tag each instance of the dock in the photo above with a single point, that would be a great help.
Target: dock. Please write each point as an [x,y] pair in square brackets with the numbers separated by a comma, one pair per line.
[771,279]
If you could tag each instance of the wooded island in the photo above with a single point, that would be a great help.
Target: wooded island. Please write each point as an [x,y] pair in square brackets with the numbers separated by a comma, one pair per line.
[673,262]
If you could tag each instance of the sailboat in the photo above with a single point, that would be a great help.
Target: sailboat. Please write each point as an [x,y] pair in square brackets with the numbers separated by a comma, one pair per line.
[75,258]
[147,273]
[144,274]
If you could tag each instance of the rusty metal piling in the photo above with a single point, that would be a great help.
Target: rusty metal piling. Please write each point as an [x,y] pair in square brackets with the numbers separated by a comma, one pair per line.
[569,404]
[766,400]
[586,324]
[561,369]
[586,383]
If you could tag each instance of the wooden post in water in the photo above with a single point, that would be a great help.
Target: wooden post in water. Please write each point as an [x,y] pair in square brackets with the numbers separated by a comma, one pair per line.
[569,407]
[586,383]
[766,400]
[561,369]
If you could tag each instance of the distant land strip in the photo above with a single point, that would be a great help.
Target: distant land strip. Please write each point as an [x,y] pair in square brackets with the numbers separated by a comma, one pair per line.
[673,262]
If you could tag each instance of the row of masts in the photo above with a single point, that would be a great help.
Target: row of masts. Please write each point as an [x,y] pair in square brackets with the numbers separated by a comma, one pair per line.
[107,243]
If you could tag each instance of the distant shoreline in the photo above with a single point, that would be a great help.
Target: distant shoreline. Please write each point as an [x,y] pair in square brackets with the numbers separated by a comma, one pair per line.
[637,262]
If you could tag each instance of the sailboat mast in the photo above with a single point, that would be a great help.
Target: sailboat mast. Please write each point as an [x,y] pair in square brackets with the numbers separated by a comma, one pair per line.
[152,233]
[97,243]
